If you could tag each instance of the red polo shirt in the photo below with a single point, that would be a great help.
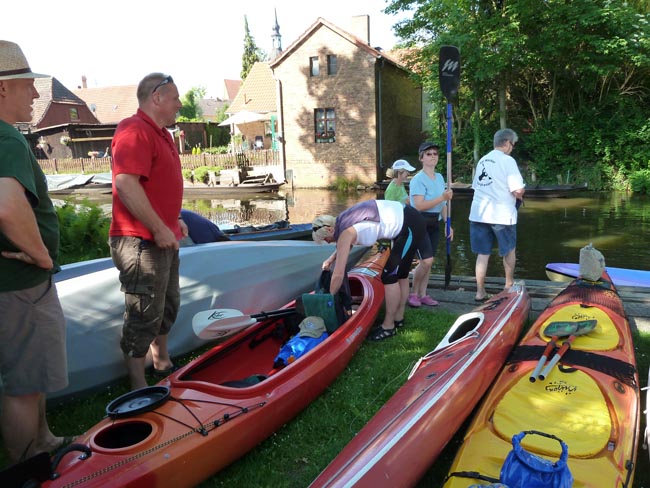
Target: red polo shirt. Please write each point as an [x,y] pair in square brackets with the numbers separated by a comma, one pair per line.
[142,148]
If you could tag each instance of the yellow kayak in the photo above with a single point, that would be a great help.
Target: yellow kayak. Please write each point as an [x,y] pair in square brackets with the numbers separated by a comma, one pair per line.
[588,396]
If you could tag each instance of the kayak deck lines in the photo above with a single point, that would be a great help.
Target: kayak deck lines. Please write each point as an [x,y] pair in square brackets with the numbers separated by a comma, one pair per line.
[203,428]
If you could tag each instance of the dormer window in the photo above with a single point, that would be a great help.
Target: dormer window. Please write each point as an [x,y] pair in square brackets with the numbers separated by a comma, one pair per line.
[74,115]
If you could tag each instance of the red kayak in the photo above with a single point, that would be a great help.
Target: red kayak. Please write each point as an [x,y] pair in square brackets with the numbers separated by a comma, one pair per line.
[221,405]
[408,433]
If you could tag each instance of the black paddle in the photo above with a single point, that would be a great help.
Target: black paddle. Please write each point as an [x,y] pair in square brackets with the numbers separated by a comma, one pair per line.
[449,75]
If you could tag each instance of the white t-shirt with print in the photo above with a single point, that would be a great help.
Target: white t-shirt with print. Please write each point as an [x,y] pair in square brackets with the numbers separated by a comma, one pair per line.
[497,176]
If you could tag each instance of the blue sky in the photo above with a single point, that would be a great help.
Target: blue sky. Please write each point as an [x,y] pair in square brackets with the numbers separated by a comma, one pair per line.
[118,42]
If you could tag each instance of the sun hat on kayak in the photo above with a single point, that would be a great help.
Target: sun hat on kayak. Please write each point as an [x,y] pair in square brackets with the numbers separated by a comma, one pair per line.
[13,63]
[320,227]
[312,326]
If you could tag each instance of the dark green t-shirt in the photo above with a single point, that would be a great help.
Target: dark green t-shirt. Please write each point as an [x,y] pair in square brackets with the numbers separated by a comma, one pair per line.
[17,161]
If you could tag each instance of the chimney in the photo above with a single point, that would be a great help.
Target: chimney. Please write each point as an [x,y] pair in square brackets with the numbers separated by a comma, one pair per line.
[361,27]
[83,82]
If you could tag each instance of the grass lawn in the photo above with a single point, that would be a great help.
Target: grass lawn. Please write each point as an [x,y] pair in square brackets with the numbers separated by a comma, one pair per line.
[294,455]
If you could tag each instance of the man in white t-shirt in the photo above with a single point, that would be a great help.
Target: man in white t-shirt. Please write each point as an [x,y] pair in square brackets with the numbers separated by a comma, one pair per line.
[498,186]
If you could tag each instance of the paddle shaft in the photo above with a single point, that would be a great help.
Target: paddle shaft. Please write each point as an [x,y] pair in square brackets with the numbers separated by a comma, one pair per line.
[558,355]
[449,78]
[542,360]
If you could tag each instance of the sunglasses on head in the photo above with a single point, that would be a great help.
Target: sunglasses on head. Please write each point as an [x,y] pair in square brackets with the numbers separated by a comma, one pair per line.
[163,82]
[315,228]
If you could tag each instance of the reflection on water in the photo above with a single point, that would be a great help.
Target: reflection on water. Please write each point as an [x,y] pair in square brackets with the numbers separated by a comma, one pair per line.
[549,230]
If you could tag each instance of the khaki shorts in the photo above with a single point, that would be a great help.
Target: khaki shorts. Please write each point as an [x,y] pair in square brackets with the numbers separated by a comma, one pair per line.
[32,341]
[149,278]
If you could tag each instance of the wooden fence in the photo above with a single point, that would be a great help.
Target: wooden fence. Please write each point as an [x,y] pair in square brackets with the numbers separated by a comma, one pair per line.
[265,157]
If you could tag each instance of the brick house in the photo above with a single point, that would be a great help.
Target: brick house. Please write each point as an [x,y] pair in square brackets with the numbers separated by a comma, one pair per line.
[346,109]
[62,125]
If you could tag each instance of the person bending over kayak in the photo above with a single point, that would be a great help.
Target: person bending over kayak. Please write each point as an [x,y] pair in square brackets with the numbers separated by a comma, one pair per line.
[364,224]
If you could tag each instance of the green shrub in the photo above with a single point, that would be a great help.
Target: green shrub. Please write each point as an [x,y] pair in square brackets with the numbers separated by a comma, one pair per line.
[640,181]
[201,173]
[345,185]
[84,233]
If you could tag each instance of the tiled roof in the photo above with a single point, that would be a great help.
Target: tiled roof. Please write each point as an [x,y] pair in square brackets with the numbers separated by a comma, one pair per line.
[231,87]
[50,90]
[210,106]
[110,104]
[320,22]
[257,93]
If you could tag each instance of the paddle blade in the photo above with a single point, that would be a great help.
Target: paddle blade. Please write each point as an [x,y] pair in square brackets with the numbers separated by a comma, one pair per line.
[449,71]
[566,328]
[217,323]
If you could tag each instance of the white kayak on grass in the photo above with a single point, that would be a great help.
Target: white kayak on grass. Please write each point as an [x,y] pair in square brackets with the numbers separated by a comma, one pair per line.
[248,276]
[565,272]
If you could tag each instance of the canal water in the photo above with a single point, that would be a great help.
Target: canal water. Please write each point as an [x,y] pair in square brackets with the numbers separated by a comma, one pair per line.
[549,230]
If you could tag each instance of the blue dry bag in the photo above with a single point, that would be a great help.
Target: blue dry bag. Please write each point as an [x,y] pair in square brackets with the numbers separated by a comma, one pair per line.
[523,469]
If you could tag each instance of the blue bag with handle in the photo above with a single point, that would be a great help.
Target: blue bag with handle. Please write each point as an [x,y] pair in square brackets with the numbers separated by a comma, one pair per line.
[522,469]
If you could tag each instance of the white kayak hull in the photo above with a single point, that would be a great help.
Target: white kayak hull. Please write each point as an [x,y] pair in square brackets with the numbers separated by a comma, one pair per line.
[249,276]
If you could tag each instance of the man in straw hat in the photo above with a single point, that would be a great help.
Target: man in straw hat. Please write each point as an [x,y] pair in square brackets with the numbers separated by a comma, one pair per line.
[32,349]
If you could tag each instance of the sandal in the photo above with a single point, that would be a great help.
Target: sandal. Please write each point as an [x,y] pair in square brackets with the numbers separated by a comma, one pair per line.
[380,334]
[399,323]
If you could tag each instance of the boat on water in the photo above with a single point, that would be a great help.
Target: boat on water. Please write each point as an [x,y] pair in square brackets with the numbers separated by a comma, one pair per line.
[583,389]
[250,276]
[75,183]
[532,191]
[565,272]
[219,406]
[396,447]
[279,230]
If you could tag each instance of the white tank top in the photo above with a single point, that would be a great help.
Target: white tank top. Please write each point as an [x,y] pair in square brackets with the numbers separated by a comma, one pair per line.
[391,215]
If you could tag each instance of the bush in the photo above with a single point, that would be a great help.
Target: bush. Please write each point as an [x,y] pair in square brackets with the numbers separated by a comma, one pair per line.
[84,233]
[201,173]
[640,181]
[345,185]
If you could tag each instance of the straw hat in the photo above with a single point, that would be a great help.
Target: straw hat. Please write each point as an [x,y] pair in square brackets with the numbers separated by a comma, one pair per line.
[13,63]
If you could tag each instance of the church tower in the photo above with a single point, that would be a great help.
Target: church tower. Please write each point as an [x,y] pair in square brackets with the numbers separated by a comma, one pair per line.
[276,38]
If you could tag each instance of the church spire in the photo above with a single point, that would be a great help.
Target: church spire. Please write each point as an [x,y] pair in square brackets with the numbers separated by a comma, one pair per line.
[276,38]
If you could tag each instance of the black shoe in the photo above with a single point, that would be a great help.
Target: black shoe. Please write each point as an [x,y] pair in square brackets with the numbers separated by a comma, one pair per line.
[379,334]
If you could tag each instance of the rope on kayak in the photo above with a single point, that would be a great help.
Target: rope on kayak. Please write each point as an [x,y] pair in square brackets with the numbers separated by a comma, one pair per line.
[203,429]
[616,368]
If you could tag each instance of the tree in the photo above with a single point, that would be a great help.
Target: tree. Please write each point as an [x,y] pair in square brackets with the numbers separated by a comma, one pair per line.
[573,76]
[252,54]
[191,111]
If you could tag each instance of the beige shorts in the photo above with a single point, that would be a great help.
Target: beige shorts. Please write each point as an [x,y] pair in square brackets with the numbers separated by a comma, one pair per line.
[32,341]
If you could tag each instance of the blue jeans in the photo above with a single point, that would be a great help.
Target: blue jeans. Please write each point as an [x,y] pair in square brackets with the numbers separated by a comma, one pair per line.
[482,237]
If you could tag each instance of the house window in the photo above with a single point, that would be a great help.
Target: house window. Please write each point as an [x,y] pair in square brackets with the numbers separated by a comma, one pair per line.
[74,115]
[325,125]
[331,64]
[314,69]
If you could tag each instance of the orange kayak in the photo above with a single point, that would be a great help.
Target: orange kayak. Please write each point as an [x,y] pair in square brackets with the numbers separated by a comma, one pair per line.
[586,394]
[408,433]
[191,425]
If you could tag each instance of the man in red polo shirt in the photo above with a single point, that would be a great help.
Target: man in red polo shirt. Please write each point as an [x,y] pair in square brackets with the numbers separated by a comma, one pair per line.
[145,228]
